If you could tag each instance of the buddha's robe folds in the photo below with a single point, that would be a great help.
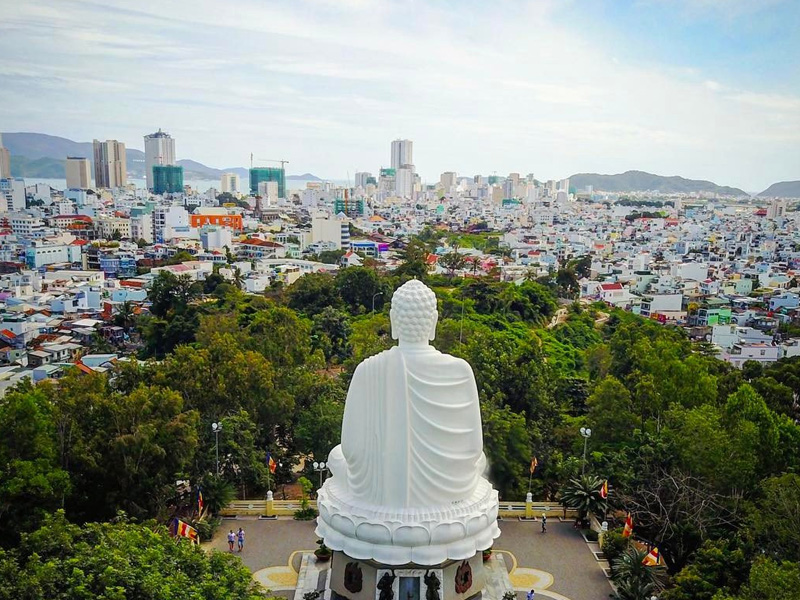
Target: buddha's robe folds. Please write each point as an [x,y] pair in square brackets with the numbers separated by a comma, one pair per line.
[411,435]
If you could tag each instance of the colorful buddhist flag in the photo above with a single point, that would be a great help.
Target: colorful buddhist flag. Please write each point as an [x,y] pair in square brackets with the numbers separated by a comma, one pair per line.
[604,490]
[628,529]
[185,530]
[199,501]
[271,463]
[534,464]
[652,559]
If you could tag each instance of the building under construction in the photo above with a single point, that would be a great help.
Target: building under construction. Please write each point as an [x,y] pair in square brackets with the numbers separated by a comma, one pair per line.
[262,174]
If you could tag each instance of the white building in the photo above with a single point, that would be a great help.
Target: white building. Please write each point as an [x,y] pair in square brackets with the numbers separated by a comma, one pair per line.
[107,226]
[168,220]
[725,336]
[229,184]
[327,228]
[26,225]
[12,195]
[762,353]
[142,228]
[404,182]
[159,149]
[216,238]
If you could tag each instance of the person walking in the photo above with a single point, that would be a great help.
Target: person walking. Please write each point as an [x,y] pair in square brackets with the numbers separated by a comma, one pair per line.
[231,540]
[240,536]
[544,523]
[530,595]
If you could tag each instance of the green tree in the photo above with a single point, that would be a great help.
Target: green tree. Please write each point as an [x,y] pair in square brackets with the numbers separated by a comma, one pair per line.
[313,293]
[770,580]
[170,293]
[125,316]
[110,561]
[611,411]
[358,286]
[775,519]
[720,566]
[31,479]
[330,332]
[146,442]
[319,427]
[242,462]
[452,261]
[583,494]
[506,442]
[634,579]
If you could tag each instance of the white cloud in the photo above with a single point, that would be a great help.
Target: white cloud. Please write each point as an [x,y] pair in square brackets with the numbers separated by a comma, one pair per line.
[506,86]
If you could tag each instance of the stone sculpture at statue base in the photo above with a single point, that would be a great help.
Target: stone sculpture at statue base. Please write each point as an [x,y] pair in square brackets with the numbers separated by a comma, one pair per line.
[336,579]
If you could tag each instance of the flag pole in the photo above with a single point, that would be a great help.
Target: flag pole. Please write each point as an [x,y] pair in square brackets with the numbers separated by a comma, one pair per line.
[530,480]
[269,479]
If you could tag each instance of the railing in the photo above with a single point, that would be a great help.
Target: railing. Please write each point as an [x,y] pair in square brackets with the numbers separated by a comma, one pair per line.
[287,508]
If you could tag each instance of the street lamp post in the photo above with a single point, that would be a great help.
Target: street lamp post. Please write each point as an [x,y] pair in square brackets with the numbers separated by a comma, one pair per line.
[586,433]
[216,428]
[375,295]
[320,467]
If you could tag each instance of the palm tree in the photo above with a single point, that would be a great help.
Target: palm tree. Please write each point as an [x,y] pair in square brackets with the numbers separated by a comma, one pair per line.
[583,494]
[238,277]
[217,493]
[125,315]
[632,590]
[634,579]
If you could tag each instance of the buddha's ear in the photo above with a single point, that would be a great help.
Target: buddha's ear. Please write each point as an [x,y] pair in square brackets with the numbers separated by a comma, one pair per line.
[432,334]
[395,335]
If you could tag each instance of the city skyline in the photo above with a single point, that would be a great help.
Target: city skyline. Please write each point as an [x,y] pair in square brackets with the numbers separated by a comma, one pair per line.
[673,88]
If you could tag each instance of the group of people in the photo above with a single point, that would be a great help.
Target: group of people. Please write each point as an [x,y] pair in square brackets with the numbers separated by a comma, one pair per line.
[234,537]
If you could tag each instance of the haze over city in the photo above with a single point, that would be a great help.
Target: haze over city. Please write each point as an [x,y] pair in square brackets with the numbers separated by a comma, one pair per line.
[699,89]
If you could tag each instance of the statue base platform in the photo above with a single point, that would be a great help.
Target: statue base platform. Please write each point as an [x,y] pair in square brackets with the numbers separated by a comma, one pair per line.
[346,578]
[420,536]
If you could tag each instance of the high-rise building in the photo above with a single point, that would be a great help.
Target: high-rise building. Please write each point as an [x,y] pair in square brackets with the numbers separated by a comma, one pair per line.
[404,182]
[229,183]
[110,170]
[159,149]
[260,174]
[448,180]
[5,161]
[402,153]
[167,179]
[362,178]
[79,175]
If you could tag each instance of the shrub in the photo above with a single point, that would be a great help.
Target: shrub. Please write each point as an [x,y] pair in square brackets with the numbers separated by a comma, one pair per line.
[207,527]
[613,544]
[305,514]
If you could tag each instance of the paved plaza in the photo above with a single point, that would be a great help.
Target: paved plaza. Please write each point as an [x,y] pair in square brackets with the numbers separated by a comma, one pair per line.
[558,564]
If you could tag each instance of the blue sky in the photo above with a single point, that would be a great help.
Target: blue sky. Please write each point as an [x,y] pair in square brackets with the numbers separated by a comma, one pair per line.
[701,88]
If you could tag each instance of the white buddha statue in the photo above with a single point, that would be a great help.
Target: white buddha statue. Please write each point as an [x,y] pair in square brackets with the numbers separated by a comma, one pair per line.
[407,480]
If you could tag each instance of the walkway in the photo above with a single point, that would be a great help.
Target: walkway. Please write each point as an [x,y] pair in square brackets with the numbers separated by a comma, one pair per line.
[558,564]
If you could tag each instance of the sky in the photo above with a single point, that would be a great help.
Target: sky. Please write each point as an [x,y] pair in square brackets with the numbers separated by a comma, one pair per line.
[706,89]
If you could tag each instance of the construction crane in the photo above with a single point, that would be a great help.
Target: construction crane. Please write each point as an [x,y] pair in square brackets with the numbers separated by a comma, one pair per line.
[263,160]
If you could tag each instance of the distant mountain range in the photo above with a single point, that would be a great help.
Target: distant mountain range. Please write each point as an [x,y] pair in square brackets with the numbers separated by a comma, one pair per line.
[43,156]
[38,155]
[783,189]
[639,181]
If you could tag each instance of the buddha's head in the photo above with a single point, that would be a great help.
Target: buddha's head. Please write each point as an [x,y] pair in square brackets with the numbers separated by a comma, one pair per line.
[413,313]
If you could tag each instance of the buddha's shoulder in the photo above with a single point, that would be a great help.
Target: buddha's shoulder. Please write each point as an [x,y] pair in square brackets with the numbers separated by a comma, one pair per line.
[455,362]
